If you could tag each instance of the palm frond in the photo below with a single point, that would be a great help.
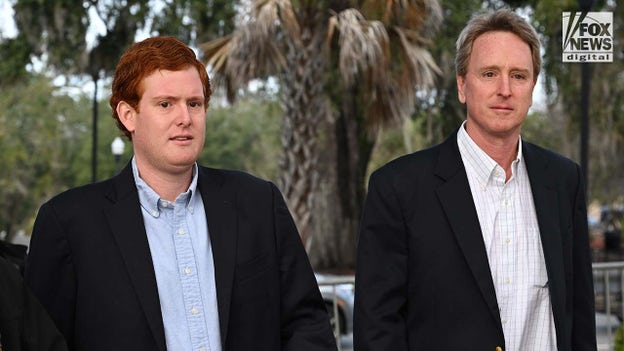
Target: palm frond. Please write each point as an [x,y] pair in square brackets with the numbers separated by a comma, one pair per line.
[414,14]
[364,45]
[253,50]
[420,65]
[216,53]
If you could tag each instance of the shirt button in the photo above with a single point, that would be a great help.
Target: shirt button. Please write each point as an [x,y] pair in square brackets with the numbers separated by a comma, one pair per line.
[507,240]
[507,280]
[180,231]
[194,311]
[202,349]
[187,271]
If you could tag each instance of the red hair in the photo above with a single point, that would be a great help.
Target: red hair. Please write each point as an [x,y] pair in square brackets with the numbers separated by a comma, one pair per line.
[144,58]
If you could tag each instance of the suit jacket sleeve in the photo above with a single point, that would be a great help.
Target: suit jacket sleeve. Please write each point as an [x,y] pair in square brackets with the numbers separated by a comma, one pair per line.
[304,317]
[583,320]
[381,277]
[49,270]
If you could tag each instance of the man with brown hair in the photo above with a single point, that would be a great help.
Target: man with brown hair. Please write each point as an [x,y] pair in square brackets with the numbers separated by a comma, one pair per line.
[481,242]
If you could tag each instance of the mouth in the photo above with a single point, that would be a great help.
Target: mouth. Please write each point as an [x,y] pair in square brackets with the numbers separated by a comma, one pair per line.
[182,138]
[502,108]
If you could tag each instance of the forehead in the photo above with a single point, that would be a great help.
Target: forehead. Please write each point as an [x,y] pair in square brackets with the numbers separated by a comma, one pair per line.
[183,81]
[499,48]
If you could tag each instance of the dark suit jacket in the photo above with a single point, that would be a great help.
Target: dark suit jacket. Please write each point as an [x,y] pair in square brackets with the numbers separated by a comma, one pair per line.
[24,324]
[90,265]
[423,280]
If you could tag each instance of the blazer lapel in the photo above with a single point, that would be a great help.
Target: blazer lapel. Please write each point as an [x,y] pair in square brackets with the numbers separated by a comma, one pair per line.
[219,204]
[126,223]
[542,179]
[456,199]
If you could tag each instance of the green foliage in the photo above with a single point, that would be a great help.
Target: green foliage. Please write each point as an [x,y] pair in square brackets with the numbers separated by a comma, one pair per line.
[244,136]
[196,21]
[618,341]
[15,56]
[606,98]
[441,110]
[542,129]
[57,29]
[394,142]
[39,139]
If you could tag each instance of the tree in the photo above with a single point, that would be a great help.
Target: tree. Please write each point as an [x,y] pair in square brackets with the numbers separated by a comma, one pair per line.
[606,99]
[441,111]
[40,137]
[15,57]
[345,68]
[244,136]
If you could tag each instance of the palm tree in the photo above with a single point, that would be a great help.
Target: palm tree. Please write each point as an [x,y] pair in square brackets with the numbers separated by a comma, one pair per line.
[345,68]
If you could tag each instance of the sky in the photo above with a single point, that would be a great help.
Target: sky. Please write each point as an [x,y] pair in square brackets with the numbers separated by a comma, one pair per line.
[7,28]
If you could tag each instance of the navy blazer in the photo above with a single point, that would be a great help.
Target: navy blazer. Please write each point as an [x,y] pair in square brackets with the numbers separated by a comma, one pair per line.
[423,280]
[90,265]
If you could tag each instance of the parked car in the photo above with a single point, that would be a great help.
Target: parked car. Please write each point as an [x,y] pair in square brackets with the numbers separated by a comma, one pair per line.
[338,289]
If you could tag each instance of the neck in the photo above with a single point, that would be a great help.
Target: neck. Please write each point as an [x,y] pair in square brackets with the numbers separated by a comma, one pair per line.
[168,185]
[503,150]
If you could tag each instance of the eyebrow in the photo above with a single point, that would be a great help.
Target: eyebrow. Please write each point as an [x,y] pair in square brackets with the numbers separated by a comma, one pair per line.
[176,98]
[498,68]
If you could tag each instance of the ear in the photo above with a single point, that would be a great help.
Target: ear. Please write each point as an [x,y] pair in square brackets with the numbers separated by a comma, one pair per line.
[127,115]
[461,84]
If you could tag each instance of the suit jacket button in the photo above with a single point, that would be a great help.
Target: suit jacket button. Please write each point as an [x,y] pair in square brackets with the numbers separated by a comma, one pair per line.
[498,348]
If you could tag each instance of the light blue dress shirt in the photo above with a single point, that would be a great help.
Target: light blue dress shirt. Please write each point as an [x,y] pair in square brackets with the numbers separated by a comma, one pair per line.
[177,233]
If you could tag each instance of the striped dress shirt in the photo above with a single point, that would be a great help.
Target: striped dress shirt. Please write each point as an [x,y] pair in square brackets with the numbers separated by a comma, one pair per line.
[512,239]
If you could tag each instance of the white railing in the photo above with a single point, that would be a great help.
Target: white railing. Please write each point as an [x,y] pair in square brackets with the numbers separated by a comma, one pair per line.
[608,287]
[334,283]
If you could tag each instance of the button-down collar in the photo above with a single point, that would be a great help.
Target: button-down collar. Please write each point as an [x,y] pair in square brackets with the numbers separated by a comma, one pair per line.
[153,203]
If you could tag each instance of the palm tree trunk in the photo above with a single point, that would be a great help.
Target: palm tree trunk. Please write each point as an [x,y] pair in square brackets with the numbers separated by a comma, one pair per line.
[346,150]
[306,110]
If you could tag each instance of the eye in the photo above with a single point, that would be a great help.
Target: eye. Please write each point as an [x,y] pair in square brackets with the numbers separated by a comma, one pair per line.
[489,74]
[164,104]
[195,104]
[519,76]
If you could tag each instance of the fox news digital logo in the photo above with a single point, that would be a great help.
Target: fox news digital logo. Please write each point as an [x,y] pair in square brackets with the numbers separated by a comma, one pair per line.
[587,37]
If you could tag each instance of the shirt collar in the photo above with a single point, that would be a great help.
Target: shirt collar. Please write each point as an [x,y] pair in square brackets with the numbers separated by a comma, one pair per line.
[484,166]
[152,202]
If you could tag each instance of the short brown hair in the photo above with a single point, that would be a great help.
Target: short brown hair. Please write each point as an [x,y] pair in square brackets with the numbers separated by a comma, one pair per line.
[501,20]
[141,60]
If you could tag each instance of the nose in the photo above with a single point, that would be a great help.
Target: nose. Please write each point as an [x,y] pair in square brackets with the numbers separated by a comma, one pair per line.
[504,88]
[184,116]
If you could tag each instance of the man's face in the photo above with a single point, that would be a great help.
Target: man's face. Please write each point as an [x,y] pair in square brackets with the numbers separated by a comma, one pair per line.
[498,86]
[169,126]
